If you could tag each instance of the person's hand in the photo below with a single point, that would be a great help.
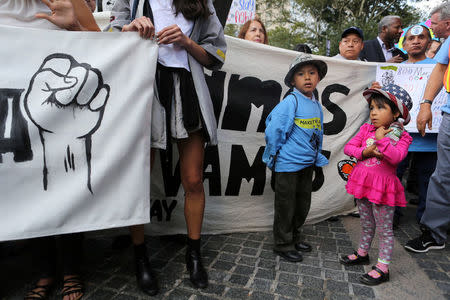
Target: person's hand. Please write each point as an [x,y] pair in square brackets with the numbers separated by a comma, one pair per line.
[173,34]
[375,85]
[381,132]
[62,14]
[372,151]
[143,25]
[425,117]
[66,91]
[396,59]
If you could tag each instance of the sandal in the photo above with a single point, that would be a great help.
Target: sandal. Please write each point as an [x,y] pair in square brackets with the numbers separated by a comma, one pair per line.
[360,260]
[369,280]
[39,291]
[71,285]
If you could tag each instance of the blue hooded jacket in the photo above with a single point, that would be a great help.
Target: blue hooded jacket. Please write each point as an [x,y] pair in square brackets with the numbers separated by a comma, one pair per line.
[294,134]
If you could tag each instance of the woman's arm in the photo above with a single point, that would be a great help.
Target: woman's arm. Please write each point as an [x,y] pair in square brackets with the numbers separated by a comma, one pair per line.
[84,15]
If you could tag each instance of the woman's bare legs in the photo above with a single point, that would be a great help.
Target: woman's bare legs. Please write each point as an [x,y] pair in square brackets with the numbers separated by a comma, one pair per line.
[191,152]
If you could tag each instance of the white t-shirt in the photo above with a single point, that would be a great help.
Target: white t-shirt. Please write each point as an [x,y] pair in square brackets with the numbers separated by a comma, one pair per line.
[20,13]
[170,55]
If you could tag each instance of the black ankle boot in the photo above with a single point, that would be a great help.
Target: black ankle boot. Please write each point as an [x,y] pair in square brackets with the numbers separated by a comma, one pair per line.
[146,280]
[197,273]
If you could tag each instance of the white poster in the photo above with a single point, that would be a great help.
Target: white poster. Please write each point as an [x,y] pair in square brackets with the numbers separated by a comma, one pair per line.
[74,131]
[413,78]
[241,11]
[237,183]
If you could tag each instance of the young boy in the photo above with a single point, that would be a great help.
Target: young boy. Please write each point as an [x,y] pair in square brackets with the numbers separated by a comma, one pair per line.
[294,131]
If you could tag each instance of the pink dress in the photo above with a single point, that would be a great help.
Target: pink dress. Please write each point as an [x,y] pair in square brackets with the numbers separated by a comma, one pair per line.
[376,179]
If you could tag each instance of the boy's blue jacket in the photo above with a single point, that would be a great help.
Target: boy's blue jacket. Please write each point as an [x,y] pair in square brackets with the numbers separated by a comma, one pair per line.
[294,130]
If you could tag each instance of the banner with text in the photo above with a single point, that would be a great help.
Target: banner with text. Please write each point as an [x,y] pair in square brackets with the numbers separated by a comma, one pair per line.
[237,183]
[413,78]
[74,131]
[241,11]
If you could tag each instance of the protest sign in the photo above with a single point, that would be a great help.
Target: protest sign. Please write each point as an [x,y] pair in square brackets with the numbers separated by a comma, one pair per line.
[241,11]
[74,131]
[413,78]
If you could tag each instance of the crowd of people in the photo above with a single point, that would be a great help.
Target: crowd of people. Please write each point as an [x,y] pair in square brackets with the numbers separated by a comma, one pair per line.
[191,38]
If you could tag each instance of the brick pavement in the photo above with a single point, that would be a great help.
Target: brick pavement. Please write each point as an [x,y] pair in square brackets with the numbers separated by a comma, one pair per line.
[241,266]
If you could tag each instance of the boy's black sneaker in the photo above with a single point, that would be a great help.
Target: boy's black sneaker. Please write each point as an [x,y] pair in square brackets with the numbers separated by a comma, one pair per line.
[423,243]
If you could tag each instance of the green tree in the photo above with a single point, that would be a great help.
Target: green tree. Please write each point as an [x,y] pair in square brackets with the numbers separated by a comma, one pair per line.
[316,21]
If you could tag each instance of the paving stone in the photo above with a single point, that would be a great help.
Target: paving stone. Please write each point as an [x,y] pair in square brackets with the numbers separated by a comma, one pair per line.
[257,237]
[311,294]
[250,251]
[364,291]
[214,289]
[266,274]
[239,279]
[288,290]
[231,248]
[252,244]
[247,260]
[344,243]
[445,267]
[425,264]
[223,265]
[240,235]
[288,267]
[288,278]
[339,230]
[234,241]
[332,265]
[123,297]
[334,275]
[228,257]
[235,293]
[307,270]
[335,296]
[116,282]
[354,277]
[337,286]
[178,294]
[244,270]
[218,238]
[267,264]
[267,254]
[436,275]
[359,269]
[261,296]
[206,297]
[103,294]
[214,245]
[312,282]
[343,236]
[217,275]
[261,285]
[444,286]
[310,261]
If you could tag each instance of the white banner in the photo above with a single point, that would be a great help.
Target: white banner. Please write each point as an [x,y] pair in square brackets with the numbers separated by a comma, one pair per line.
[237,183]
[74,131]
[413,78]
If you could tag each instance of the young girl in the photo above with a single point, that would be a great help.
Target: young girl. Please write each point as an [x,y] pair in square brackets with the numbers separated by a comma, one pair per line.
[373,180]
[190,37]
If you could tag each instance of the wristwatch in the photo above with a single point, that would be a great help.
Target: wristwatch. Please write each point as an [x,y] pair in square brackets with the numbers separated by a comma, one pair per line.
[426,101]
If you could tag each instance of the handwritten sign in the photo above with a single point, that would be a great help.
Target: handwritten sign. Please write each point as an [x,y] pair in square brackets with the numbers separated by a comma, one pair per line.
[241,11]
[413,78]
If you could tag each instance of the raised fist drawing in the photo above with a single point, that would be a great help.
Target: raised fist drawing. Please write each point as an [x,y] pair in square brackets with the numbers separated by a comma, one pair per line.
[66,101]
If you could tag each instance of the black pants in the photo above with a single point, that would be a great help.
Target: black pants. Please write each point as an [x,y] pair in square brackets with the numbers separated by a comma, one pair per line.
[292,203]
[53,251]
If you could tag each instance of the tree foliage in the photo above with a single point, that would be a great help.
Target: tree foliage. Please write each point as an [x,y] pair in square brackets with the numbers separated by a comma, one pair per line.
[316,21]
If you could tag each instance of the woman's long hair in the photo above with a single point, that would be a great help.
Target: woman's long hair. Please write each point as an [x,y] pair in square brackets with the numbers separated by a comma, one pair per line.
[192,9]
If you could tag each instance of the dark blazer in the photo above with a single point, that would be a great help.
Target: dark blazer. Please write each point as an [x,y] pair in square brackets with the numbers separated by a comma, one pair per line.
[372,52]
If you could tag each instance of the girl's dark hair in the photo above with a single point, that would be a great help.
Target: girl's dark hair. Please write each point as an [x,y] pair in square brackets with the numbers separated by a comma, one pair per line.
[380,100]
[192,9]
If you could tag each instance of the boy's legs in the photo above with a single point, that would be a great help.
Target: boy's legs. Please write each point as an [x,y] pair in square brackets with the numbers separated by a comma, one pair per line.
[285,193]
[303,200]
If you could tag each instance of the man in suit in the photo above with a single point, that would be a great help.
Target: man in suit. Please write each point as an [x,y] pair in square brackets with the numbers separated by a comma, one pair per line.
[381,49]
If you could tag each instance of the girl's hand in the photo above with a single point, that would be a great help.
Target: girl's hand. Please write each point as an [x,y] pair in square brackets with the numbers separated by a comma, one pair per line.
[372,151]
[144,25]
[173,34]
[381,132]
